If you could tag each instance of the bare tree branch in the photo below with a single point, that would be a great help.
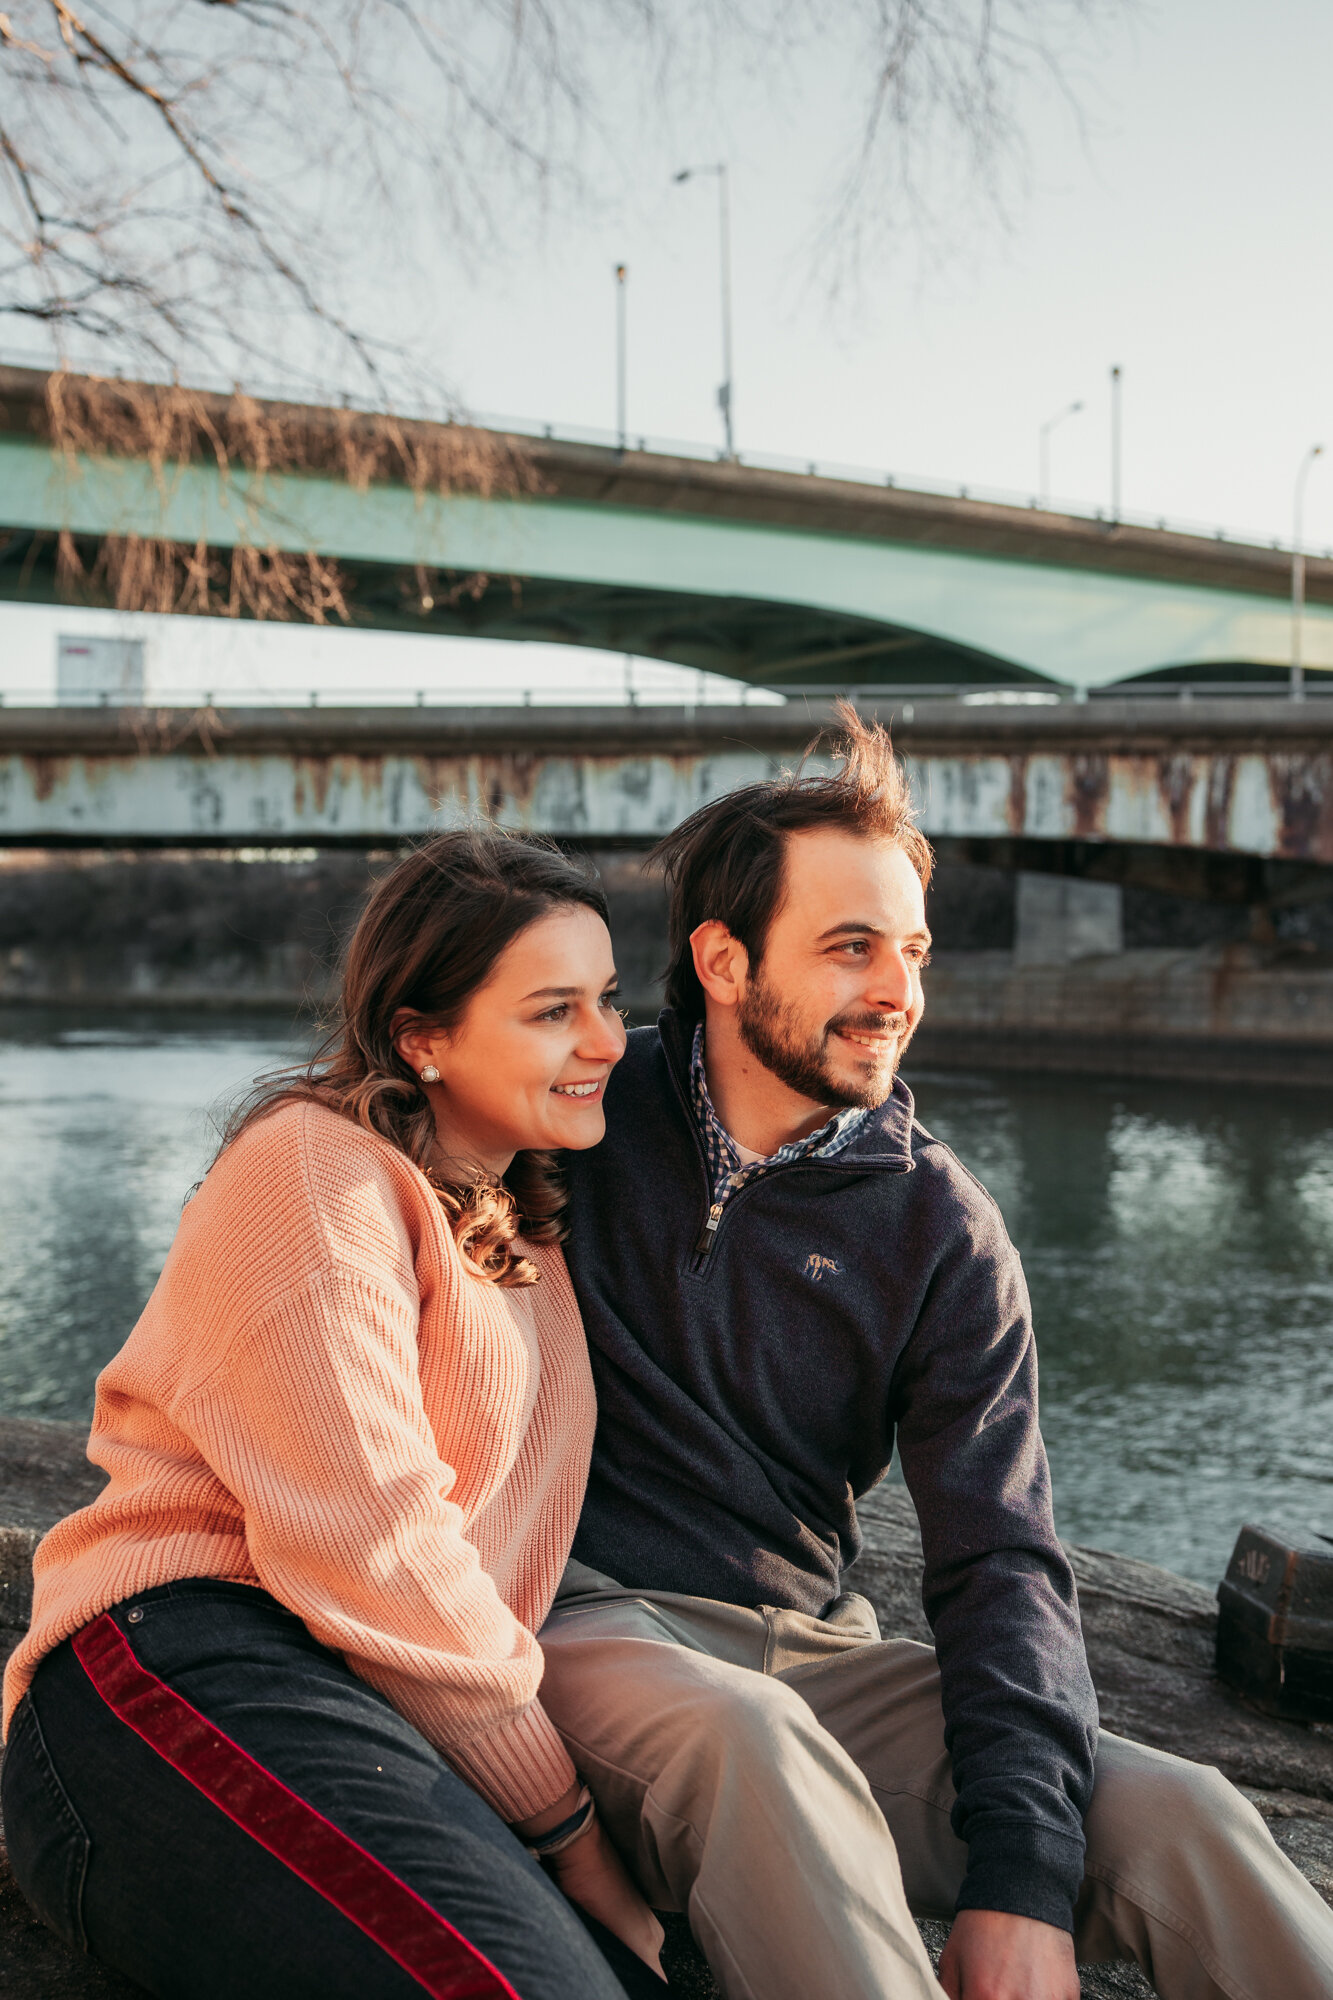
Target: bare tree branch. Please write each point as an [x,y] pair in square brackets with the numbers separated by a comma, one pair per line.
[182,183]
[168,168]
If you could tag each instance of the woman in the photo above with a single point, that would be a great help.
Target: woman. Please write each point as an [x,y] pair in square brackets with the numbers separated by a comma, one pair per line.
[279,1697]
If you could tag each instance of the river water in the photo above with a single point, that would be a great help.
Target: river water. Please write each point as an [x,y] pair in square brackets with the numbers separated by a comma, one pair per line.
[1178,1242]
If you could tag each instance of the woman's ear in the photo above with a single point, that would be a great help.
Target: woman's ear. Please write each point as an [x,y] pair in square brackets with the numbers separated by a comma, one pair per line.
[412,1040]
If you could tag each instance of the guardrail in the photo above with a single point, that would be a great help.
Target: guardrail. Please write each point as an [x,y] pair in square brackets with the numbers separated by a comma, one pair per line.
[1317,685]
[756,461]
[738,694]
[480,695]
[1314,686]
[865,475]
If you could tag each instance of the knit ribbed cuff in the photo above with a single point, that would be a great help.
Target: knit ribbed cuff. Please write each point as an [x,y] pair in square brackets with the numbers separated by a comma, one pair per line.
[520,1768]
[1028,1871]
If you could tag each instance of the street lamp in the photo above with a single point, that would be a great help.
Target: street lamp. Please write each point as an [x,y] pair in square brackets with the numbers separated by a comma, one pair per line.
[1298,572]
[724,243]
[1115,445]
[621,275]
[1044,447]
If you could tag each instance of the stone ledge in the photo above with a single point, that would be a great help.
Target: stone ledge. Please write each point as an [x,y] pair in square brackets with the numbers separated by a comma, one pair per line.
[1150,1645]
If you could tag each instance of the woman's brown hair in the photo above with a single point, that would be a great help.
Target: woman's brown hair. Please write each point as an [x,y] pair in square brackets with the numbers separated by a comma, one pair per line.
[430,933]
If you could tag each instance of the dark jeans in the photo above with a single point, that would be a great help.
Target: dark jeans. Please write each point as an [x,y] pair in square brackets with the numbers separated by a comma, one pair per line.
[202,1796]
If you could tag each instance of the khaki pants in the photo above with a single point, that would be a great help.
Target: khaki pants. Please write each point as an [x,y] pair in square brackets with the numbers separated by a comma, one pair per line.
[784,1780]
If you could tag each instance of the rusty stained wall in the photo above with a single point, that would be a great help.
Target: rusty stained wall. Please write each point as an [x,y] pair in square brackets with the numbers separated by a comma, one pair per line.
[1274,803]
[306,799]
[1264,803]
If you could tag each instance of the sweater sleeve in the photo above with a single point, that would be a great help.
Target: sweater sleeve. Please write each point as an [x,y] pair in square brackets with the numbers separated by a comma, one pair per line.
[315,1421]
[1019,1707]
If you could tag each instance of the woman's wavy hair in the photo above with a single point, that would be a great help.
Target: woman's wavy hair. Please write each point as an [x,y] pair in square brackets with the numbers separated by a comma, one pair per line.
[430,933]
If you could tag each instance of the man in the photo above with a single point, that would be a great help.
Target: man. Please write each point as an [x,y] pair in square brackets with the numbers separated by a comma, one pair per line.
[782,1274]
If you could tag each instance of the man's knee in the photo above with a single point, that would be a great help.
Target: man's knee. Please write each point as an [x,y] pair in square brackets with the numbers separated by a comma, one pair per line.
[1147,1799]
[750,1731]
[750,1714]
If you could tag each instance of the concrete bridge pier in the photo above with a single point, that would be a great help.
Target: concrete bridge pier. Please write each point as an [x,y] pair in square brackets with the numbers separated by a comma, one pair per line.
[1061,918]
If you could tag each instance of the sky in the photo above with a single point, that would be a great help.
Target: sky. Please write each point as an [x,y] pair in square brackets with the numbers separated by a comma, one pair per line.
[1174,224]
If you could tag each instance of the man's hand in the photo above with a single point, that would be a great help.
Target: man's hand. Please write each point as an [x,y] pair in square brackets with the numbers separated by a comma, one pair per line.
[994,1956]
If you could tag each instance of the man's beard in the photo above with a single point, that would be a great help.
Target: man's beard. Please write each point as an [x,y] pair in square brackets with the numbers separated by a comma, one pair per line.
[803,1061]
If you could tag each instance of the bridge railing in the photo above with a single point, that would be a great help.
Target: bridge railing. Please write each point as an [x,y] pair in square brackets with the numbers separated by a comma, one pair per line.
[865,475]
[755,461]
[1006,695]
[1313,686]
[488,694]
[968,694]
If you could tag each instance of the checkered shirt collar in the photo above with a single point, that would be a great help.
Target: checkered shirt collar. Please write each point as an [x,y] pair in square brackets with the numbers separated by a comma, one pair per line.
[725,1168]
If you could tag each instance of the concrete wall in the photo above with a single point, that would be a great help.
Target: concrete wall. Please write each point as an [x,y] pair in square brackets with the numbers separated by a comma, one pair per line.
[1224,1011]
[221,931]
[108,930]
[1026,971]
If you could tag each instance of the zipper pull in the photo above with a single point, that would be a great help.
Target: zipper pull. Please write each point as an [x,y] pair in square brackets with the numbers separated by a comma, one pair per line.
[705,1243]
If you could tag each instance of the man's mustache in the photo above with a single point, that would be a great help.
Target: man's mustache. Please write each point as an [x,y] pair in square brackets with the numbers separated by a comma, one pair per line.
[867,1024]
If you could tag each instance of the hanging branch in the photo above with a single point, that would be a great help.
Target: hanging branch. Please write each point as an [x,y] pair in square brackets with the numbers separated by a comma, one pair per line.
[252,446]
[168,167]
[168,170]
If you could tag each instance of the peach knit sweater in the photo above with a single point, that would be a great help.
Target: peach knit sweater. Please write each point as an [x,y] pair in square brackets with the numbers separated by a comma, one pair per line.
[323,1398]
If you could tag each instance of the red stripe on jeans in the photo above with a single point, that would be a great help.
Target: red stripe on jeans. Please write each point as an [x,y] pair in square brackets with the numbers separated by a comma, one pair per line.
[399,1921]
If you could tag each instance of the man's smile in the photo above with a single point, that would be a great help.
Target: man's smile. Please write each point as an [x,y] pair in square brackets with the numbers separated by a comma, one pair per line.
[878,1040]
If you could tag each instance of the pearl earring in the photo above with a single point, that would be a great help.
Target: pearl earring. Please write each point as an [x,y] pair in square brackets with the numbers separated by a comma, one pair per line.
[430,1074]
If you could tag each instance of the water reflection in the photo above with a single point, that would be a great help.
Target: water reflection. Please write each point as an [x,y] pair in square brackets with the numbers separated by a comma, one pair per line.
[1178,1247]
[1178,1242]
[103,1130]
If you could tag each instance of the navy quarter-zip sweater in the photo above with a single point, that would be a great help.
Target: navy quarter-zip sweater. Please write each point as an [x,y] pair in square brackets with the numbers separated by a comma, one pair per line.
[746,1398]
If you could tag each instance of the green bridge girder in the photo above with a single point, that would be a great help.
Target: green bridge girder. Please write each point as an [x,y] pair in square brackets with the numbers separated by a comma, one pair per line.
[776,578]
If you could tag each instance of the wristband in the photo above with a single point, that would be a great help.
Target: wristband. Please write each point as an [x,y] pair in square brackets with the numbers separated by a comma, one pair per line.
[557,1838]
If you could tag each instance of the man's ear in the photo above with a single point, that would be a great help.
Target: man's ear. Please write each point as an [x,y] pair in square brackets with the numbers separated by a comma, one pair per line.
[721,961]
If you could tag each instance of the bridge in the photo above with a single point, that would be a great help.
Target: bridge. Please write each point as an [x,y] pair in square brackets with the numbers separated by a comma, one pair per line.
[791,580]
[1201,797]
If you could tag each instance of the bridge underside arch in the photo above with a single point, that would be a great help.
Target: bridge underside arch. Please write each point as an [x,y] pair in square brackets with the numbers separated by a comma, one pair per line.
[767,642]
[771,580]
[1192,874]
[1222,674]
[775,645]
[764,642]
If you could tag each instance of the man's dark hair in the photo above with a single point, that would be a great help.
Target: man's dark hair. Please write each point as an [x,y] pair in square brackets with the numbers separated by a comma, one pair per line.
[725,861]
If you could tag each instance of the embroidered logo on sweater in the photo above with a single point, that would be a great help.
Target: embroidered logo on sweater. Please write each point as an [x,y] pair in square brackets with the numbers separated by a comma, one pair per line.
[816,1266]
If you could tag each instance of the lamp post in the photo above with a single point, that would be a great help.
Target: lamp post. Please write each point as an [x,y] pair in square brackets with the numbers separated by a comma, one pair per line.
[724,394]
[1298,572]
[1115,444]
[621,432]
[1044,448]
